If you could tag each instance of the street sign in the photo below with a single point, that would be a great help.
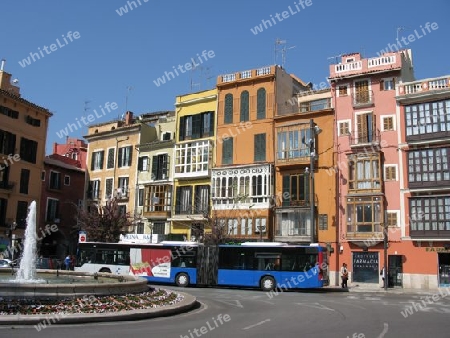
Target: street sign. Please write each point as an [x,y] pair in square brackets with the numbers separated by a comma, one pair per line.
[82,237]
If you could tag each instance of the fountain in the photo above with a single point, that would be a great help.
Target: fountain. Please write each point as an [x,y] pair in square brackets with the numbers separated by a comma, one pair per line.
[32,283]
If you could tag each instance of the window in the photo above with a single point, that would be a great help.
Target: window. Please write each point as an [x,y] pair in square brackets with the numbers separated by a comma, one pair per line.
[123,188]
[24,181]
[365,126]
[343,90]
[143,163]
[28,150]
[140,228]
[158,198]
[43,175]
[55,180]
[364,214]
[66,180]
[227,151]
[4,179]
[14,114]
[344,128]
[201,199]
[228,115]
[246,226]
[428,166]
[141,198]
[315,105]
[122,210]
[94,189]
[244,116]
[232,226]
[197,126]
[387,84]
[259,150]
[260,225]
[52,212]
[388,123]
[7,142]
[159,228]
[21,214]
[160,167]
[429,214]
[32,121]
[295,190]
[427,118]
[390,172]
[3,207]
[183,202]
[192,157]
[362,93]
[111,159]
[261,103]
[323,222]
[97,160]
[167,136]
[295,222]
[364,172]
[292,142]
[108,188]
[125,156]
[392,218]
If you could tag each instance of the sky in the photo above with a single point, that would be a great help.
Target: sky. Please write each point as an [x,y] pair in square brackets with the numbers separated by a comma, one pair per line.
[82,55]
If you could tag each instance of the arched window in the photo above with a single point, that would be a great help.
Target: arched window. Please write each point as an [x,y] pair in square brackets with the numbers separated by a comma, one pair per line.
[261,104]
[228,116]
[244,106]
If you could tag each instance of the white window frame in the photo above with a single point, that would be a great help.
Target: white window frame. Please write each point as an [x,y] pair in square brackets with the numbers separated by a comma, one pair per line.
[94,157]
[114,158]
[112,188]
[397,212]
[388,79]
[126,189]
[125,146]
[343,85]
[394,122]
[349,122]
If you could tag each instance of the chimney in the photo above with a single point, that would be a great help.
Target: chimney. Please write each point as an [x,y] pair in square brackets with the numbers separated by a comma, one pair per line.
[128,118]
[55,147]
[5,81]
[2,65]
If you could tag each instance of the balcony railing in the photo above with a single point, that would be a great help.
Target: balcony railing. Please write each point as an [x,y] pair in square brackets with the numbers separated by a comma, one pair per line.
[381,61]
[441,83]
[345,67]
[364,231]
[364,98]
[7,185]
[315,105]
[370,137]
[228,77]
[181,209]
[444,234]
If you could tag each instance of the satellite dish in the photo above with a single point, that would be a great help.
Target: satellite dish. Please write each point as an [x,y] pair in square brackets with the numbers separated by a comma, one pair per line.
[15,81]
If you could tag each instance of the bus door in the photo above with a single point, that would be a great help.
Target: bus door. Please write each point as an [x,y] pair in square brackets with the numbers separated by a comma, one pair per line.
[268,264]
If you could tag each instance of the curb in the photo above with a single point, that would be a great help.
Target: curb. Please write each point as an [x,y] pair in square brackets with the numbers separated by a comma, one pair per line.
[188,303]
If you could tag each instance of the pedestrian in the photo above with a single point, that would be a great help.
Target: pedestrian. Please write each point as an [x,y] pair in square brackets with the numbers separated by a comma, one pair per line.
[383,276]
[344,275]
[67,262]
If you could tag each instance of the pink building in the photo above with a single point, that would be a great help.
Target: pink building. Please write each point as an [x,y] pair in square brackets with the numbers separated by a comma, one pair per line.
[367,162]
[73,148]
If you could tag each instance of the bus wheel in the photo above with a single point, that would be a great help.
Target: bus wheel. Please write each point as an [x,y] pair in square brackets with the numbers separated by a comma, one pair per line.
[182,279]
[267,283]
[105,270]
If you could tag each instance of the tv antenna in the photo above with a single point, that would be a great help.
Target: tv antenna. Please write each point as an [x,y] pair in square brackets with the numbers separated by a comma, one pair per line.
[193,74]
[86,106]
[335,57]
[283,50]
[129,88]
[399,29]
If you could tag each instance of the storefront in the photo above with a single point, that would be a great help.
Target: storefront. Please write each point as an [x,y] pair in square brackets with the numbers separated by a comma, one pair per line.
[366,267]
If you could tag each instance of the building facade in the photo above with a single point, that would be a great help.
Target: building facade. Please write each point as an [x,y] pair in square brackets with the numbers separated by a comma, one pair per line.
[155,177]
[23,134]
[425,178]
[243,184]
[62,193]
[368,162]
[193,161]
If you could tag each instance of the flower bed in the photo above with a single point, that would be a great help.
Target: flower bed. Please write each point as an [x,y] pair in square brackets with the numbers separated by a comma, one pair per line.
[91,304]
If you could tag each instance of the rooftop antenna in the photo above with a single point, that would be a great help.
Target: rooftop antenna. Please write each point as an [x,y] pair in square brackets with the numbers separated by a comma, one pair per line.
[194,69]
[283,50]
[129,88]
[335,57]
[399,29]
[86,108]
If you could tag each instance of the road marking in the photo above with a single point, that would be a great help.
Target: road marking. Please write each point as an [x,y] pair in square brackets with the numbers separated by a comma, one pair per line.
[349,304]
[257,324]
[316,306]
[229,302]
[385,330]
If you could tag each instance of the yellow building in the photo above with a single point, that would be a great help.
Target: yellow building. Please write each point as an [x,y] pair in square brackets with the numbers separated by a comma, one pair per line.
[23,134]
[193,160]
[113,161]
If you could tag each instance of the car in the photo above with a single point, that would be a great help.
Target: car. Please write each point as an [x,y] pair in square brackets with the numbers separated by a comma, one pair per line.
[5,263]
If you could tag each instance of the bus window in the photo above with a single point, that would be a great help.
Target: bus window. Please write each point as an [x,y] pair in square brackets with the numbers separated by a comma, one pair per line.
[268,261]
[123,257]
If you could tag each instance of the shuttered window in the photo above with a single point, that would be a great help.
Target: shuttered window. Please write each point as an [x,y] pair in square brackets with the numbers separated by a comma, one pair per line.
[228,117]
[261,104]
[260,147]
[227,151]
[244,106]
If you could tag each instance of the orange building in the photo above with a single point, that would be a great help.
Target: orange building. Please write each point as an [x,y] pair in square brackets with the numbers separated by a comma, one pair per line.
[305,209]
[243,195]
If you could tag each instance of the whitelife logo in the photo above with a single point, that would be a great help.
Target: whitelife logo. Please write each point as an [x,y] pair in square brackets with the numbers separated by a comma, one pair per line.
[49,49]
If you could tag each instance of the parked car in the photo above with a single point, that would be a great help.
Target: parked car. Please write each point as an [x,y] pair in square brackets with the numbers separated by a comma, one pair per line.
[6,263]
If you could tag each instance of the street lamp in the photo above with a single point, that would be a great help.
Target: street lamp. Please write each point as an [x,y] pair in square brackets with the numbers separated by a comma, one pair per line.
[314,130]
[12,239]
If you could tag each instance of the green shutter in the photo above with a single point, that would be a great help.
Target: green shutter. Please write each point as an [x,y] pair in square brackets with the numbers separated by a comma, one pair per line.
[244,106]
[196,126]
[228,116]
[261,104]
[286,191]
[227,151]
[182,128]
[260,147]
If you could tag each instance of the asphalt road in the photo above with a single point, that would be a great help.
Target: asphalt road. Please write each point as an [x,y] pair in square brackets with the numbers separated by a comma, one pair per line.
[252,313]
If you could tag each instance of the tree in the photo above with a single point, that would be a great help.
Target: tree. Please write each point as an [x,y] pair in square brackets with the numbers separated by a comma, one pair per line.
[104,223]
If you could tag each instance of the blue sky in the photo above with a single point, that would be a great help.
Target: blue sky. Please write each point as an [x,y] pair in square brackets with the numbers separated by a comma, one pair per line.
[115,51]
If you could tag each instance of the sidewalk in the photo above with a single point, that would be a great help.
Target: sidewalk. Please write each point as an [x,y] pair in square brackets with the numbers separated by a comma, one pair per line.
[375,288]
